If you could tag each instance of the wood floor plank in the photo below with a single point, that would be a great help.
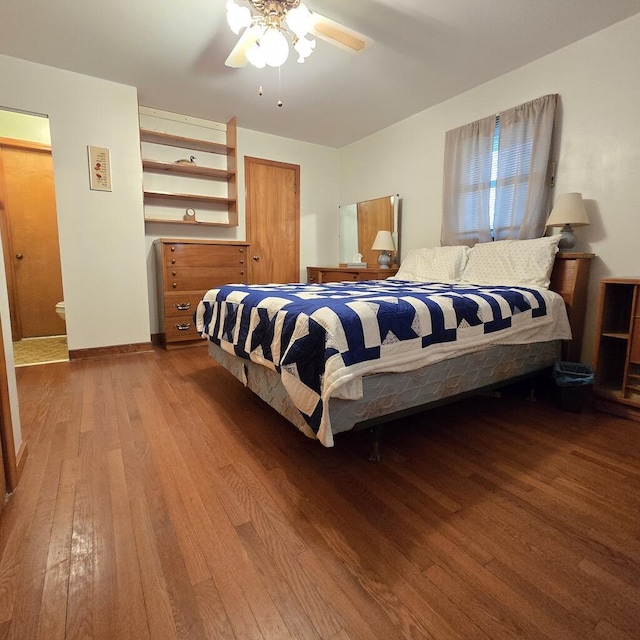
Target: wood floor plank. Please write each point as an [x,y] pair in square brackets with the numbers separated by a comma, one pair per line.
[130,614]
[52,620]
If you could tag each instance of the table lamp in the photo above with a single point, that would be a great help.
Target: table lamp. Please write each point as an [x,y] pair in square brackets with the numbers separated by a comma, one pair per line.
[384,244]
[568,212]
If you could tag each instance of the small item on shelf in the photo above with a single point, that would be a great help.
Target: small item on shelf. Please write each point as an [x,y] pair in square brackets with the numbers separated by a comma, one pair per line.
[356,261]
[189,160]
[190,215]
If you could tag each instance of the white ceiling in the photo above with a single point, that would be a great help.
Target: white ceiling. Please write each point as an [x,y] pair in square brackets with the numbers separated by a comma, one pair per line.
[423,52]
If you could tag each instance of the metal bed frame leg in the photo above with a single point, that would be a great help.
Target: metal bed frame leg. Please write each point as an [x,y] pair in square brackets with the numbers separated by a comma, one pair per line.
[376,436]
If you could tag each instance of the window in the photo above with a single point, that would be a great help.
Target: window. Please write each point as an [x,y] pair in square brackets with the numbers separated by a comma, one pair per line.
[495,182]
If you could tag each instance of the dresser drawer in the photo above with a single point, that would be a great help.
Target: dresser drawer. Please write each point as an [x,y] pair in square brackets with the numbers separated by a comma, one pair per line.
[193,255]
[339,276]
[202,278]
[180,330]
[181,305]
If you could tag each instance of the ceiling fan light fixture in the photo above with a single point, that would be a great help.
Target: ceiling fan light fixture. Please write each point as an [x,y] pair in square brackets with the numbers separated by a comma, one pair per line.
[299,20]
[267,26]
[275,47]
[304,48]
[255,56]
[238,17]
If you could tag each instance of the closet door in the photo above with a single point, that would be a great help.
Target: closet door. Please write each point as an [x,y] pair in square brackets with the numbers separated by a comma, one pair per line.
[273,220]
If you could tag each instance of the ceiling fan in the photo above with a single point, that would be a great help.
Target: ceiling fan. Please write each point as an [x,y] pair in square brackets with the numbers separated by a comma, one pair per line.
[268,25]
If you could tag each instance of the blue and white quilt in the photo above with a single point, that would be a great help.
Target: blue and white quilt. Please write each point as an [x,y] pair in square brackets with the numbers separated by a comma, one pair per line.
[321,337]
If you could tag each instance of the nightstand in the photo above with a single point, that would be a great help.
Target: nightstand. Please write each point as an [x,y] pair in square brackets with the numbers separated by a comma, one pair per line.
[320,275]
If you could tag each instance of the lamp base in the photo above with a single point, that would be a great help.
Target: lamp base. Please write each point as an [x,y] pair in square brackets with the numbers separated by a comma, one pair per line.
[567,238]
[384,260]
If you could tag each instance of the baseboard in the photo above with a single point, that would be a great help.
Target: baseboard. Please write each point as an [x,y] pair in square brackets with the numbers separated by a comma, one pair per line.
[102,352]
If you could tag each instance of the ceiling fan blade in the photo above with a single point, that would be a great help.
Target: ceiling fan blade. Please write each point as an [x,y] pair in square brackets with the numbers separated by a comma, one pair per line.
[337,34]
[238,56]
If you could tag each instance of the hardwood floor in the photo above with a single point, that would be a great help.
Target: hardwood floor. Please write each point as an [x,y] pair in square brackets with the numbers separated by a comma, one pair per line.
[163,500]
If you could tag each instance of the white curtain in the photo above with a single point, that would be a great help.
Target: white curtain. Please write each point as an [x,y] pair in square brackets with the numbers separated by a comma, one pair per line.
[520,174]
[522,185]
[467,183]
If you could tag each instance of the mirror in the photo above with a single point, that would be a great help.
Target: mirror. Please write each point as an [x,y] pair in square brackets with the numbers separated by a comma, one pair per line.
[359,224]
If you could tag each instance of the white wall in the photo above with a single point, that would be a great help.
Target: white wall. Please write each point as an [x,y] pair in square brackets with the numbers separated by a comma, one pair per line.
[599,151]
[101,233]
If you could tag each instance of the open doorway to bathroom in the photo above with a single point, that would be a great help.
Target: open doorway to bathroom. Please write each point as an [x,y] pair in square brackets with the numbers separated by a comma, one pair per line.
[29,226]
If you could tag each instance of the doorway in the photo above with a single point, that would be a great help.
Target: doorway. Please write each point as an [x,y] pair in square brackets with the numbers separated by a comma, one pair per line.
[273,220]
[29,225]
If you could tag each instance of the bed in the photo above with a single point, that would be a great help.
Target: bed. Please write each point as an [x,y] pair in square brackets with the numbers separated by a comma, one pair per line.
[341,356]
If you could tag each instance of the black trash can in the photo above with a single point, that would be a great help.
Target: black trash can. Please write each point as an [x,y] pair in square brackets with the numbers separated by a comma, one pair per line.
[574,381]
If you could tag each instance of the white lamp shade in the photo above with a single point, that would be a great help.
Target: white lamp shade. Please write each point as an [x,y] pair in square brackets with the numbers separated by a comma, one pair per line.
[304,47]
[299,20]
[275,47]
[568,209]
[383,242]
[238,17]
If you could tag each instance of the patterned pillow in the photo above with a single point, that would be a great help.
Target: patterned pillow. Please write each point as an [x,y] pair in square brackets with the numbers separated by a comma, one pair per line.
[436,264]
[512,262]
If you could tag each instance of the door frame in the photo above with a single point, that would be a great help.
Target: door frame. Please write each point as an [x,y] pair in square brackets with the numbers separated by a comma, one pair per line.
[249,213]
[13,465]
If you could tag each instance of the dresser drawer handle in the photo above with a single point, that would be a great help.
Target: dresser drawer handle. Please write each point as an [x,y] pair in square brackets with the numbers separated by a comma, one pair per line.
[173,249]
[182,306]
[241,272]
[241,261]
[173,260]
[173,273]
[174,285]
[183,326]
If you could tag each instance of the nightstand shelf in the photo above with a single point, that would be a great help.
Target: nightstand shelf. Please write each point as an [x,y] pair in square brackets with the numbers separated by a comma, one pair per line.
[617,351]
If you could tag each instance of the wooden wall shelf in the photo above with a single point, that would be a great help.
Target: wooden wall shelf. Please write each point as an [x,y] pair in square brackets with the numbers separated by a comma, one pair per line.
[227,175]
[185,169]
[184,197]
[169,140]
[187,222]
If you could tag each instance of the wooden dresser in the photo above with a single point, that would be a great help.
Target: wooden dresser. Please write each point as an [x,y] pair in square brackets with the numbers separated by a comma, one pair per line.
[185,271]
[319,275]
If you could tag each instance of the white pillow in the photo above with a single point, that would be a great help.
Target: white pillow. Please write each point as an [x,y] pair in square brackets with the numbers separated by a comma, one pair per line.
[436,264]
[512,262]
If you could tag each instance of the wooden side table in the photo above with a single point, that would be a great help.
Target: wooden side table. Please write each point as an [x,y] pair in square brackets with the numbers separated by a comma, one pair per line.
[570,278]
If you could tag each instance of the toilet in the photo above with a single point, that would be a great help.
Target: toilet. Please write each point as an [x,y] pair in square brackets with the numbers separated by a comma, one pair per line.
[60,309]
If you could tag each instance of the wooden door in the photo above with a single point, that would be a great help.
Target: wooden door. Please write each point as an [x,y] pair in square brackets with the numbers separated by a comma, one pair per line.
[30,228]
[373,216]
[273,220]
